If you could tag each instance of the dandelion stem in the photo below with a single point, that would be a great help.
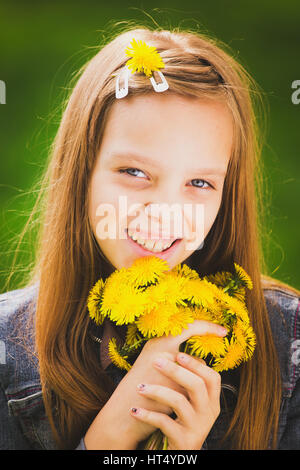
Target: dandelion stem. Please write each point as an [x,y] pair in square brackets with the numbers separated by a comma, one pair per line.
[127,348]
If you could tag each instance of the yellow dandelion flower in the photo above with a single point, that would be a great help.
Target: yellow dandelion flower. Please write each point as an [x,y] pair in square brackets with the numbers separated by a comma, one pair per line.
[251,342]
[217,291]
[243,276]
[114,286]
[234,355]
[239,334]
[144,58]
[222,315]
[132,336]
[224,280]
[146,270]
[130,306]
[236,307]
[156,295]
[171,287]
[94,302]
[220,279]
[179,320]
[203,345]
[198,292]
[245,336]
[240,293]
[120,300]
[184,271]
[116,358]
[201,313]
[154,322]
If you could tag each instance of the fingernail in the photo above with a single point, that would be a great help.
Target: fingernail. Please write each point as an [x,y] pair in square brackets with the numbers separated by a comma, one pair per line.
[183,357]
[224,331]
[160,362]
[134,410]
[141,387]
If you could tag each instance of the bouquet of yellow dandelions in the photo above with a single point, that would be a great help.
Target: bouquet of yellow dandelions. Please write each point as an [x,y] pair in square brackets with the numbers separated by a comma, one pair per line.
[153,301]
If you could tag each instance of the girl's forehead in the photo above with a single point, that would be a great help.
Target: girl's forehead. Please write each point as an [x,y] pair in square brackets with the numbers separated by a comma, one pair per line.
[182,126]
[161,104]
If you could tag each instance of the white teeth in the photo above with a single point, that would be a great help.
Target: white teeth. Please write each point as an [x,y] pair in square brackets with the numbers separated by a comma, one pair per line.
[149,244]
[133,236]
[160,245]
[152,245]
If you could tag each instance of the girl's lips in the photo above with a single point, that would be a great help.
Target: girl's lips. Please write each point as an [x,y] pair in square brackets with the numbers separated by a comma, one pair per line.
[142,251]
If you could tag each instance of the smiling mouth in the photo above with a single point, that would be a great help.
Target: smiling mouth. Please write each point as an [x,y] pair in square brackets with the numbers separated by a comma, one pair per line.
[152,246]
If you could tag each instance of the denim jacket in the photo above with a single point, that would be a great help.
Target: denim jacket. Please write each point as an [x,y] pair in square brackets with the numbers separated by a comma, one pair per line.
[23,422]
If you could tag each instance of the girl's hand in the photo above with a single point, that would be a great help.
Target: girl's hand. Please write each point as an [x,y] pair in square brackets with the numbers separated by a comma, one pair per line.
[114,427]
[196,412]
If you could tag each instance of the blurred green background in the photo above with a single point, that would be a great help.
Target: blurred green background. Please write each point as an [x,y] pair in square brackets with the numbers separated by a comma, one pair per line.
[43,43]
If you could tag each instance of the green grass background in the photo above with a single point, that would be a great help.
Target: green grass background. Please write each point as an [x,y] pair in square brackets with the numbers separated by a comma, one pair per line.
[42,44]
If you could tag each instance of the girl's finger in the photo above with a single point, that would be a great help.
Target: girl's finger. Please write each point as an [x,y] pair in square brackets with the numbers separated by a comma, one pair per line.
[192,383]
[170,428]
[175,400]
[199,367]
[199,328]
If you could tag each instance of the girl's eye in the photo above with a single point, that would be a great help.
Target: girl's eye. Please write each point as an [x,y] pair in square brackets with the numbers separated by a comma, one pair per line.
[202,182]
[130,169]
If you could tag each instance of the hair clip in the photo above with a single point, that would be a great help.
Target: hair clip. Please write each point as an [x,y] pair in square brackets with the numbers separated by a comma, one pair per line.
[162,86]
[121,92]
[144,59]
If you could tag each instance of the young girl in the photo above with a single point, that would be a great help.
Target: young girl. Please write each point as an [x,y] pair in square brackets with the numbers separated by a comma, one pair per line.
[195,143]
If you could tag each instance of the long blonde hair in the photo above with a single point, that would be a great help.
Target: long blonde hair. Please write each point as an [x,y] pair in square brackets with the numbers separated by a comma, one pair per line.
[69,261]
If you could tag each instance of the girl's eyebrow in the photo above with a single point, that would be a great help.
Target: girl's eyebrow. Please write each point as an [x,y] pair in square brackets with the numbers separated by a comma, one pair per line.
[133,157]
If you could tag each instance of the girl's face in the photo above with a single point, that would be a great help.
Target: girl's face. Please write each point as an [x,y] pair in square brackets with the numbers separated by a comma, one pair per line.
[168,151]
